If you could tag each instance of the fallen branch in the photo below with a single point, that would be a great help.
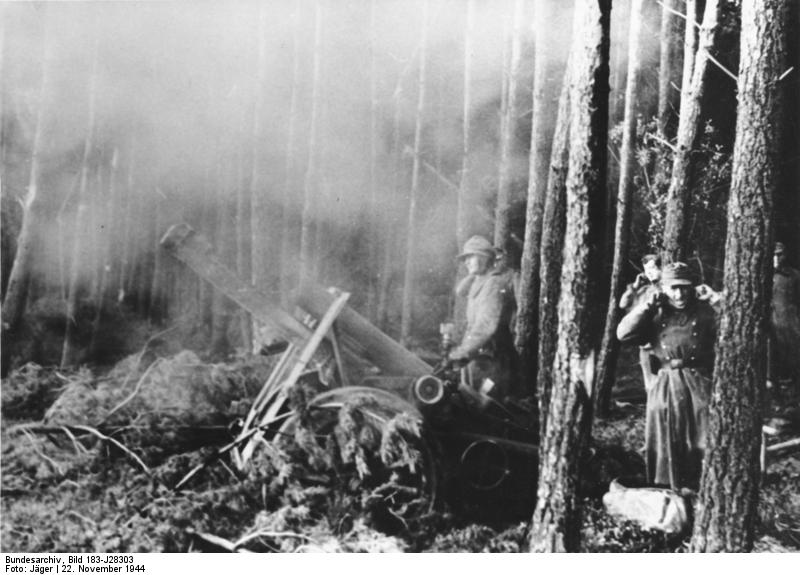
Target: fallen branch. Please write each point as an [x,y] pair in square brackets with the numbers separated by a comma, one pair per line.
[133,393]
[272,534]
[41,453]
[79,448]
[117,443]
[216,541]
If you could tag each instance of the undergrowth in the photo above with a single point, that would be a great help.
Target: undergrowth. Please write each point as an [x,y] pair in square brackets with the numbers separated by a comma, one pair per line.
[351,479]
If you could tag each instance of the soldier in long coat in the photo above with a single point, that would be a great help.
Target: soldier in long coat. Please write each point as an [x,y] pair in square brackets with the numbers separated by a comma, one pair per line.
[642,289]
[784,341]
[487,348]
[681,330]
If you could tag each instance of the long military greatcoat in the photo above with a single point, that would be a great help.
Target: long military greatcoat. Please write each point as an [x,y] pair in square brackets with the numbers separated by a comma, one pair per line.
[678,397]
[488,342]
[785,325]
[630,299]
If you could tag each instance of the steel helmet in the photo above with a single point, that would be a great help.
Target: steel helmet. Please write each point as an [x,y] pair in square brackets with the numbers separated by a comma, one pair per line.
[477,245]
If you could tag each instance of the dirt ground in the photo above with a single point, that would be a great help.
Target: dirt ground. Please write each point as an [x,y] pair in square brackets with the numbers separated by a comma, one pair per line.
[89,463]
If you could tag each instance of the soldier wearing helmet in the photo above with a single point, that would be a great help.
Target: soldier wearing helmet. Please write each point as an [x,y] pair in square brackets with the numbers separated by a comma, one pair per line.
[487,348]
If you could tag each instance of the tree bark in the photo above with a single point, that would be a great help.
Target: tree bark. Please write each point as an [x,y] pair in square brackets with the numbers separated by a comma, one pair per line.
[553,226]
[676,226]
[544,95]
[502,217]
[411,242]
[556,519]
[609,349]
[668,70]
[730,481]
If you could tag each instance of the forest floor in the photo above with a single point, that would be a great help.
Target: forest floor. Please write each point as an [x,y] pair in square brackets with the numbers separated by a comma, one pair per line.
[89,463]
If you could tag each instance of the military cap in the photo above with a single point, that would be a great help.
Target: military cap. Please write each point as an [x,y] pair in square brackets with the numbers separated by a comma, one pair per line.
[676,273]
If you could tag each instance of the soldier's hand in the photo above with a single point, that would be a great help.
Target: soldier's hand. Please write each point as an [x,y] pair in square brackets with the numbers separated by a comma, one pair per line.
[654,301]
[640,280]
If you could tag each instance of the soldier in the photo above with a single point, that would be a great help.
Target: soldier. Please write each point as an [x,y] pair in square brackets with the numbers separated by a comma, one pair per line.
[680,324]
[645,283]
[643,288]
[784,343]
[487,348]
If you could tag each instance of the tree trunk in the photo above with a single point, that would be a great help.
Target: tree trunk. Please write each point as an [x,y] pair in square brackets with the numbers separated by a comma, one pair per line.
[411,242]
[322,216]
[243,233]
[609,350]
[466,160]
[106,248]
[676,226]
[391,234]
[373,212]
[69,351]
[288,247]
[259,225]
[32,217]
[556,519]
[669,65]
[553,226]
[730,482]
[544,95]
[2,96]
[502,216]
[126,265]
[311,182]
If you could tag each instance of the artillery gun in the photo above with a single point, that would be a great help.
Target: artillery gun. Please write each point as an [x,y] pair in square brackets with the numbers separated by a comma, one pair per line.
[473,448]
